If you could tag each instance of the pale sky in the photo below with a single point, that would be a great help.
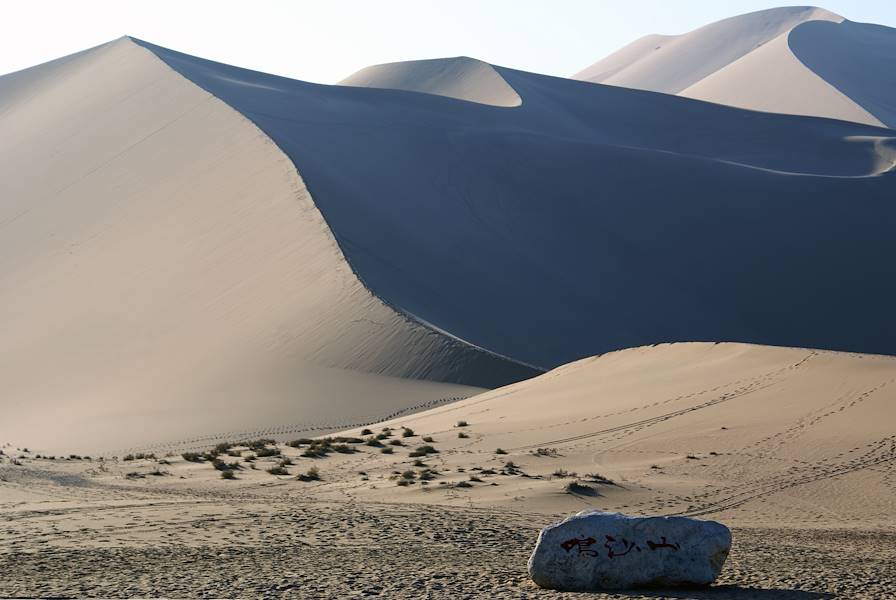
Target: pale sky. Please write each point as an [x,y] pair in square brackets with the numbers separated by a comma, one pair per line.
[327,40]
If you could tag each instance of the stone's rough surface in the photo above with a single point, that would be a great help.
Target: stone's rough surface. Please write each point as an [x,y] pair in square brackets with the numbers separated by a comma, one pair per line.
[597,550]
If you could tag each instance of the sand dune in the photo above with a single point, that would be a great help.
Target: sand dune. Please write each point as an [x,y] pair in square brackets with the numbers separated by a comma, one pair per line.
[794,60]
[748,434]
[461,77]
[164,274]
[192,250]
[591,218]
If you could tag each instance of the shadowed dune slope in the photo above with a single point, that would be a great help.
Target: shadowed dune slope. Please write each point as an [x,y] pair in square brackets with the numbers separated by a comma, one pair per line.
[794,60]
[165,274]
[749,434]
[460,77]
[592,218]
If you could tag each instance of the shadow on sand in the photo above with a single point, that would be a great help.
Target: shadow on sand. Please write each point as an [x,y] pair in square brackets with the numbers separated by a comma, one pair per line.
[726,592]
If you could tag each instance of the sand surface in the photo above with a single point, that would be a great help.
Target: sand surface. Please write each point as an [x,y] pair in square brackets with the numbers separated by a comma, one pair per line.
[795,60]
[792,448]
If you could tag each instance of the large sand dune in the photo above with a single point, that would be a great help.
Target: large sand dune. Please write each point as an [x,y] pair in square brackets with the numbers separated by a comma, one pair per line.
[591,218]
[164,274]
[175,234]
[794,60]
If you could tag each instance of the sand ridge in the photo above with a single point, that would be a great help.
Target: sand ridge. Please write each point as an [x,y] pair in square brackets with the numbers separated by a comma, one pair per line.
[793,60]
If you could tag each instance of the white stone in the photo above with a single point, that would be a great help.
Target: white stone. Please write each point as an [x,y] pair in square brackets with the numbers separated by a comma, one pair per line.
[597,550]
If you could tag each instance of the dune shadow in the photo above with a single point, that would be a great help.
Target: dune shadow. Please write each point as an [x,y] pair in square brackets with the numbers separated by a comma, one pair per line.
[726,592]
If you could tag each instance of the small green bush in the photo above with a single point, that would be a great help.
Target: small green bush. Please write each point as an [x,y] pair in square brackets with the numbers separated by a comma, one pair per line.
[278,470]
[462,424]
[192,457]
[423,451]
[228,474]
[500,451]
[462,435]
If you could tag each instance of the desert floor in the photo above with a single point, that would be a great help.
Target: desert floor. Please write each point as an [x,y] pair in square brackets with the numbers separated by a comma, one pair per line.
[83,529]
[793,449]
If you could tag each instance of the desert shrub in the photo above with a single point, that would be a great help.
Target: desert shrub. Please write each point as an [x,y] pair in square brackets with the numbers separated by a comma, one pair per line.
[546,452]
[366,431]
[598,478]
[383,436]
[313,474]
[343,449]
[408,475]
[192,457]
[220,465]
[223,447]
[387,450]
[227,474]
[419,463]
[285,461]
[574,487]
[396,442]
[691,457]
[428,439]
[500,451]
[347,440]
[259,443]
[404,482]
[462,435]
[234,453]
[462,424]
[278,470]
[128,457]
[427,474]
[561,473]
[375,442]
[476,479]
[463,484]
[300,442]
[407,432]
[265,452]
[314,452]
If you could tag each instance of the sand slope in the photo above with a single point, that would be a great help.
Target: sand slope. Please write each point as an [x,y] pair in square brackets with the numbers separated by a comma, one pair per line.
[165,274]
[794,60]
[175,235]
[591,218]
[460,77]
[749,434]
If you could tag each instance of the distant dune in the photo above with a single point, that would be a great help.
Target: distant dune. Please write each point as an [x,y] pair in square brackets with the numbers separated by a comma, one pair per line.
[795,60]
[192,251]
[460,77]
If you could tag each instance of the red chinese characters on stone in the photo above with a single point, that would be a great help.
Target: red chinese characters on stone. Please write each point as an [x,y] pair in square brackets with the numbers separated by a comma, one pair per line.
[583,545]
[616,547]
[663,544]
[619,547]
